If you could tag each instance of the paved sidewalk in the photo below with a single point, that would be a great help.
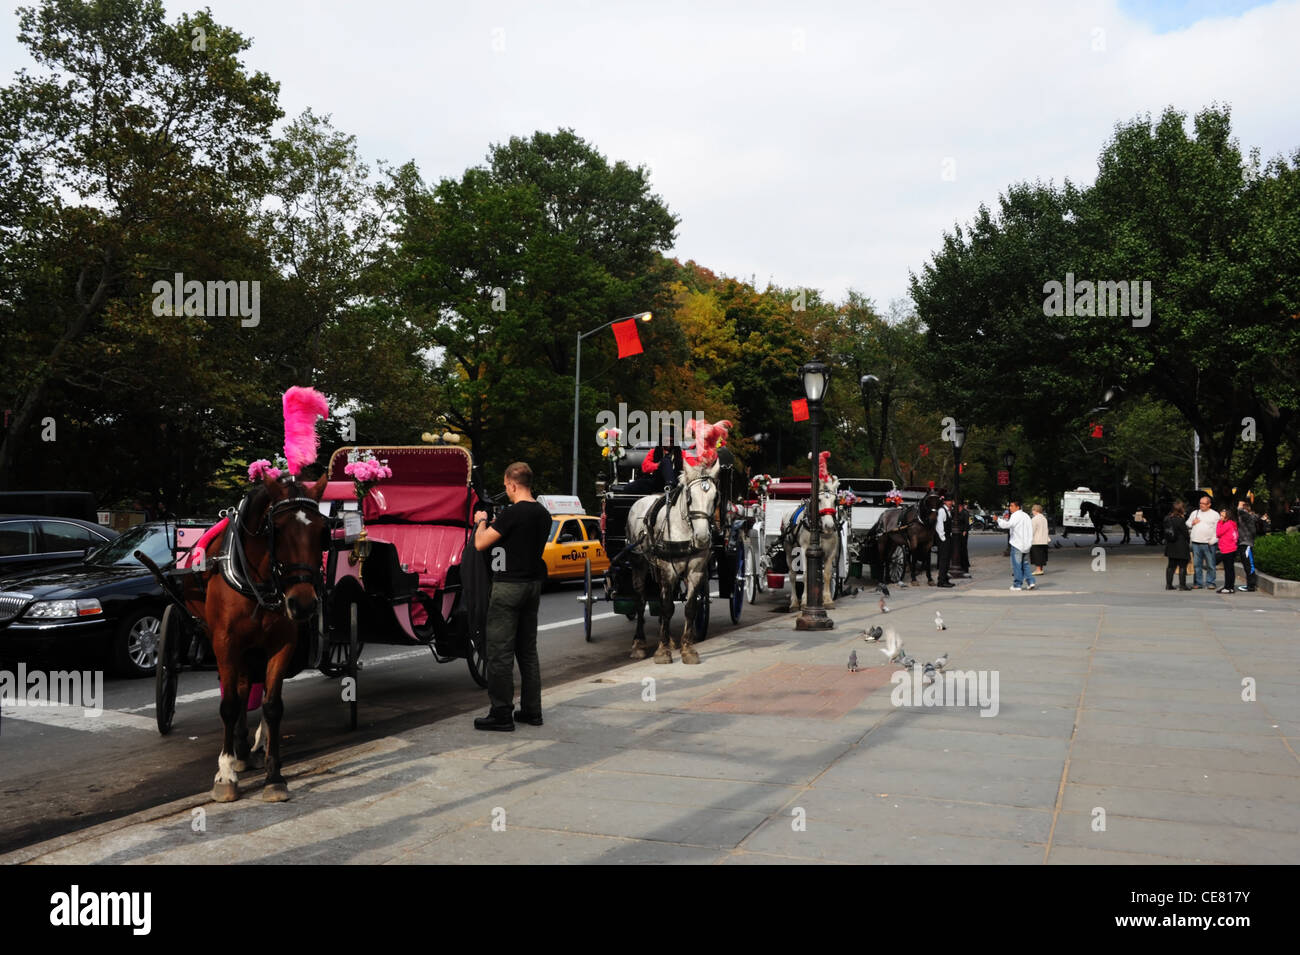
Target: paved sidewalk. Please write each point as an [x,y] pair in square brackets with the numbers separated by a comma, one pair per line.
[1120,736]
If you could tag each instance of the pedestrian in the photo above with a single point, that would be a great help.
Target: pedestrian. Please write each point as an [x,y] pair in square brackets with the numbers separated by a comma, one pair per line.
[1226,530]
[1249,527]
[1020,536]
[962,526]
[944,531]
[1204,540]
[1042,537]
[516,539]
[1178,547]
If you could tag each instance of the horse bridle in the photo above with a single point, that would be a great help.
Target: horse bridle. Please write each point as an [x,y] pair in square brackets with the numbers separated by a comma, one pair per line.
[283,576]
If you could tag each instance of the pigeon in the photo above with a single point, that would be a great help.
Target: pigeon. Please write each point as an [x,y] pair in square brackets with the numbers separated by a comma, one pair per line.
[928,674]
[905,661]
[875,633]
[1056,544]
[942,662]
[892,649]
[853,661]
[884,590]
[883,608]
[938,622]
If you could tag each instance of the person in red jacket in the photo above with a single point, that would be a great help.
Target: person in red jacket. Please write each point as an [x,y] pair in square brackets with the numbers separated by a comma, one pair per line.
[1226,530]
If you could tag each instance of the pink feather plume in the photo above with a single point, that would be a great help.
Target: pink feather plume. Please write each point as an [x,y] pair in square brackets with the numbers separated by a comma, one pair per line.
[707,438]
[823,473]
[301,407]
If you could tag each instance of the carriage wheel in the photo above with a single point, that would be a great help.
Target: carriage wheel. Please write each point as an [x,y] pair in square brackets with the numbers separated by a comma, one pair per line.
[587,599]
[168,674]
[751,574]
[477,658]
[354,653]
[897,566]
[702,614]
[738,586]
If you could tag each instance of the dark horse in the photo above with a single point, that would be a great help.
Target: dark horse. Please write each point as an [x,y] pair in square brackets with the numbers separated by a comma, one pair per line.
[911,528]
[1101,516]
[262,589]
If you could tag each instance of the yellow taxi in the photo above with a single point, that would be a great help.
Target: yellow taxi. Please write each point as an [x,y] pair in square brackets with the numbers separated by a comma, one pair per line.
[574,538]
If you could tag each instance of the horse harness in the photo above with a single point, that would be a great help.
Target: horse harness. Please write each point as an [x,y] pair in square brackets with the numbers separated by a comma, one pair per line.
[803,515]
[237,571]
[665,548]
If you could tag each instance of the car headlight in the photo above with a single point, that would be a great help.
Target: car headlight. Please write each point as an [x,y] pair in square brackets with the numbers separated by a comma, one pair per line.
[47,609]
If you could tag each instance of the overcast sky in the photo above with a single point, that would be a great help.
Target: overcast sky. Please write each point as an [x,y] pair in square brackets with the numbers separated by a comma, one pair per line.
[825,145]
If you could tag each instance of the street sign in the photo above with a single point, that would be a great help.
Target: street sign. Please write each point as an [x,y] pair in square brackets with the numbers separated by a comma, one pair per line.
[1004,477]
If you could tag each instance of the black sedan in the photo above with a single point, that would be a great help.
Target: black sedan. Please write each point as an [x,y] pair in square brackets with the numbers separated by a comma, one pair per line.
[29,541]
[106,602]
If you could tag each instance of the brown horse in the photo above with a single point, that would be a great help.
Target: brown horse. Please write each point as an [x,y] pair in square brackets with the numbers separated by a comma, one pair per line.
[262,589]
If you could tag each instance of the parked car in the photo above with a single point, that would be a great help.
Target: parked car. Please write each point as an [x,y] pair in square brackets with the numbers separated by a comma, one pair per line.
[106,602]
[574,538]
[29,541]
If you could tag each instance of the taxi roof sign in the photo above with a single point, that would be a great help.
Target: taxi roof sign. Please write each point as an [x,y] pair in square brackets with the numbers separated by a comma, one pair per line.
[561,503]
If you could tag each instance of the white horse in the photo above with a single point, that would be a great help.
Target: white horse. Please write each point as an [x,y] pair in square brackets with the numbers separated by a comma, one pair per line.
[797,539]
[674,542]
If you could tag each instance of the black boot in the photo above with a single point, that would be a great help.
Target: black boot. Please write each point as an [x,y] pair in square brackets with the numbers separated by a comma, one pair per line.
[529,718]
[496,720]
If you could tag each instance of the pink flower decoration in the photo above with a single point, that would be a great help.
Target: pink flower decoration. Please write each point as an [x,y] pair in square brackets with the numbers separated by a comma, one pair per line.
[262,468]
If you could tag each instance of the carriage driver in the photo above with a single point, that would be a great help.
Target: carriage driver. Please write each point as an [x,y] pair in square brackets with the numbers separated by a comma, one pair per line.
[662,466]
[516,540]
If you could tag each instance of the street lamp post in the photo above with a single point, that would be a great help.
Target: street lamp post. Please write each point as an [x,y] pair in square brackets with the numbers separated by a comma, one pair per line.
[577,379]
[816,377]
[958,440]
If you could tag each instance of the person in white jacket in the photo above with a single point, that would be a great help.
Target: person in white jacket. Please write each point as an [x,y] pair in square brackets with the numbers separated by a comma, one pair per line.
[1020,539]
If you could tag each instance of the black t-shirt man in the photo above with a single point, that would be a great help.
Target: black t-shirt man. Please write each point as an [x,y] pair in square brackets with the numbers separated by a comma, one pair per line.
[523,527]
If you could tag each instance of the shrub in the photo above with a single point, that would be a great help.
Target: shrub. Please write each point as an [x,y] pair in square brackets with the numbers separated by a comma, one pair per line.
[1279,555]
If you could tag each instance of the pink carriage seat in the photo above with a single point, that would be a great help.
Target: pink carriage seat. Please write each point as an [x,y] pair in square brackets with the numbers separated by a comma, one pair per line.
[426,549]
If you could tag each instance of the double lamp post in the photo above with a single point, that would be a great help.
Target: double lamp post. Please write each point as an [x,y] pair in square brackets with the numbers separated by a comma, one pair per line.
[816,378]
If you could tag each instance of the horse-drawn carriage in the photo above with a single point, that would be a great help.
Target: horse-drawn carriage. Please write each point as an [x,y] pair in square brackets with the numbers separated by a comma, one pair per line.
[396,569]
[665,546]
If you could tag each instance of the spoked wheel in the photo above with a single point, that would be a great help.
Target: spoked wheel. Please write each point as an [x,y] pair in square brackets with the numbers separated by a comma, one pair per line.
[352,668]
[168,674]
[751,574]
[738,586]
[897,565]
[587,599]
[702,614]
[477,658]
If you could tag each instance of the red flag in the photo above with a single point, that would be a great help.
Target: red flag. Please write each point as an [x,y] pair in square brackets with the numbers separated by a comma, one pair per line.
[799,407]
[1096,429]
[629,342]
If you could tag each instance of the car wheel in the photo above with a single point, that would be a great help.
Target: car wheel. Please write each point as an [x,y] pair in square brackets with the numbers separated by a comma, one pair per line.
[135,649]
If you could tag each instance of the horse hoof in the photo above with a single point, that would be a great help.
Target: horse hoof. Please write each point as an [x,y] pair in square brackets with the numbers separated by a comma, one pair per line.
[275,792]
[240,765]
[224,792]
[828,604]
[638,654]
[663,658]
[690,657]
[257,760]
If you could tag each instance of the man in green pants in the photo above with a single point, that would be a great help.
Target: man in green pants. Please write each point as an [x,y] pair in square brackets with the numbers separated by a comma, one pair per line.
[515,540]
